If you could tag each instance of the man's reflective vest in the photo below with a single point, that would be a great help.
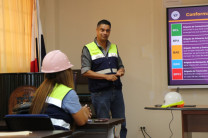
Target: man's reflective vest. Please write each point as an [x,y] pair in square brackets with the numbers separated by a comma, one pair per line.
[103,65]
[60,119]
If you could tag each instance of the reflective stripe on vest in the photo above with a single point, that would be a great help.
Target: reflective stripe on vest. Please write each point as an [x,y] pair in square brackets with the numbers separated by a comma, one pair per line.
[58,94]
[55,98]
[60,122]
[107,71]
[96,53]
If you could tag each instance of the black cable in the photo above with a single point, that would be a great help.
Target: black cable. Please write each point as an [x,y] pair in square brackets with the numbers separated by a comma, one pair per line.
[146,132]
[170,123]
[142,132]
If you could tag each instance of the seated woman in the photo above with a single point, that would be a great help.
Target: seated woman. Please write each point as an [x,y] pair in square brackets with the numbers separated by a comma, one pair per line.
[56,97]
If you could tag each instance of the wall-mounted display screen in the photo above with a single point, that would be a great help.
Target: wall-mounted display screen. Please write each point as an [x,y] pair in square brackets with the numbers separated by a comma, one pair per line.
[187,35]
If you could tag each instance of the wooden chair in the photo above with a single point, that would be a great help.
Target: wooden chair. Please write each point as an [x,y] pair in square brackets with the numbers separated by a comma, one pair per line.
[20,95]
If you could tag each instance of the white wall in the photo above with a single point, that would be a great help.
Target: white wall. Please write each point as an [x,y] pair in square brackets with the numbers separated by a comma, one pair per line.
[139,30]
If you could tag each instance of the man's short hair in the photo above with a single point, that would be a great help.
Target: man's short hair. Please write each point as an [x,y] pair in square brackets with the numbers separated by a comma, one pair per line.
[104,22]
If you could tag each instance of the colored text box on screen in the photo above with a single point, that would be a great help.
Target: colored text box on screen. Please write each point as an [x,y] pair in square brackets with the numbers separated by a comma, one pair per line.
[176,40]
[177,74]
[177,52]
[176,64]
[176,30]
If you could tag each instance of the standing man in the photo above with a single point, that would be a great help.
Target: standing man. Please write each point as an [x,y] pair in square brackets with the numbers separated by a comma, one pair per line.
[103,66]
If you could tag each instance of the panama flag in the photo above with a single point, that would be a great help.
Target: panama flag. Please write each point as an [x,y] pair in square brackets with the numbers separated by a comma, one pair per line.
[38,51]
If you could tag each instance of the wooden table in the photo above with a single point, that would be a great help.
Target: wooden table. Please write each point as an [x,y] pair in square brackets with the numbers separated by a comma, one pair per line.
[194,119]
[99,129]
[91,130]
[43,134]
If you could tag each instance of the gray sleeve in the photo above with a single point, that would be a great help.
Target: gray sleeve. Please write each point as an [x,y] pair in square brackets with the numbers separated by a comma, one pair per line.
[120,63]
[71,102]
[85,60]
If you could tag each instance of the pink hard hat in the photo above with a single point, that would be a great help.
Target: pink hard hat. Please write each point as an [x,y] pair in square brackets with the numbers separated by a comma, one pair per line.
[55,61]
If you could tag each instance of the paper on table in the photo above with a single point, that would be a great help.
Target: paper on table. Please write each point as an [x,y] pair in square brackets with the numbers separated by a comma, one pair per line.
[19,133]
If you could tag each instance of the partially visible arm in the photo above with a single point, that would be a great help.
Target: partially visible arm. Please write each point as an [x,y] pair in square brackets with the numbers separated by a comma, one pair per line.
[72,105]
[120,63]
[81,117]
[85,60]
[120,72]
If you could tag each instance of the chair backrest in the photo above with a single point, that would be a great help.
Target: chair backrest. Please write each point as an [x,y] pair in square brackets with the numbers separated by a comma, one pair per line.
[20,95]
[31,122]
